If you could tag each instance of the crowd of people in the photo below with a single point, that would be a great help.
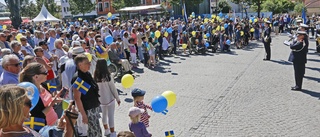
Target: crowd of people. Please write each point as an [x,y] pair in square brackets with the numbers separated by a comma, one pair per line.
[65,54]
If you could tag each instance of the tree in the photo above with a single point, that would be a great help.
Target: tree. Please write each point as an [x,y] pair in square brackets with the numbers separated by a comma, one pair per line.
[118,4]
[278,6]
[51,7]
[256,4]
[14,8]
[299,7]
[224,6]
[26,12]
[81,6]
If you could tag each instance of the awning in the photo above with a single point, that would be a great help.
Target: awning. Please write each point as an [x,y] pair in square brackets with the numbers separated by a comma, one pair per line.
[138,8]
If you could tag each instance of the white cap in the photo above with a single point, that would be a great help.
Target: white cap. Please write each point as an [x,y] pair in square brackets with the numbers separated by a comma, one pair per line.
[304,25]
[135,111]
[302,32]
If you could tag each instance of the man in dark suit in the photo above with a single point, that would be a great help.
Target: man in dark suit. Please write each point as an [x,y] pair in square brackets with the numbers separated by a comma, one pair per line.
[267,40]
[299,58]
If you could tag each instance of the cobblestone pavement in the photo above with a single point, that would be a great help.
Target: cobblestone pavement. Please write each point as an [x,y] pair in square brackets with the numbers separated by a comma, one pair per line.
[234,94]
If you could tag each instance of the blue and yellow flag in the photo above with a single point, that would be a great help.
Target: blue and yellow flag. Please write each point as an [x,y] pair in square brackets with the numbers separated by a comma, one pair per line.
[169,133]
[52,87]
[81,85]
[35,123]
[98,49]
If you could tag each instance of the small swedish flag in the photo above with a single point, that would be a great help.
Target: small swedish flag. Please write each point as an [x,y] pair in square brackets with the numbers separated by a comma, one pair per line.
[169,133]
[35,123]
[52,87]
[98,49]
[81,85]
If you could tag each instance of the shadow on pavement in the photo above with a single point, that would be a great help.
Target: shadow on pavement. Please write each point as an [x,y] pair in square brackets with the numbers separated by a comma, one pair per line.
[120,92]
[312,78]
[311,93]
[315,60]
[128,100]
[312,68]
[282,62]
[138,70]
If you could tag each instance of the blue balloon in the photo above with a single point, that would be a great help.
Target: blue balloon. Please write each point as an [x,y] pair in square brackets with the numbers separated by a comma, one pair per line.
[225,25]
[0,27]
[226,16]
[228,42]
[32,92]
[109,39]
[207,44]
[202,26]
[220,14]
[208,34]
[159,104]
[169,30]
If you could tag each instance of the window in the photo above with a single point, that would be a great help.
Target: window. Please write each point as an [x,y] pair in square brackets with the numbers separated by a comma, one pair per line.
[66,1]
[155,1]
[68,9]
[143,2]
[64,9]
[106,5]
[100,7]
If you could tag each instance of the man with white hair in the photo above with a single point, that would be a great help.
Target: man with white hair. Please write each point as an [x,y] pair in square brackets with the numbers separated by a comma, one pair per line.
[113,56]
[11,69]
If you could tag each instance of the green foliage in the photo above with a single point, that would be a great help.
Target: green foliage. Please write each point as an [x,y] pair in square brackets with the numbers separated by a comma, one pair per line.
[26,11]
[81,6]
[118,4]
[15,17]
[51,6]
[224,6]
[278,6]
[299,7]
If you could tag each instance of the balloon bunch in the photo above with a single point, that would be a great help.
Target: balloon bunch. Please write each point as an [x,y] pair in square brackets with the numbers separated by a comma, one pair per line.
[160,103]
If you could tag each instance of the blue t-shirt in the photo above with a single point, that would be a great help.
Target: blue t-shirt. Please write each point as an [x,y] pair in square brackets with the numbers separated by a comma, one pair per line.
[139,129]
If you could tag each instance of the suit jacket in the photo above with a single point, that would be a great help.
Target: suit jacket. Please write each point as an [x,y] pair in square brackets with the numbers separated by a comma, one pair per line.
[266,32]
[113,56]
[298,53]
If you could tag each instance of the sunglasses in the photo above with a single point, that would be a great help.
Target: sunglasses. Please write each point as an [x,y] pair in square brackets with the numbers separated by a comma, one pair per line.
[28,104]
[43,73]
[40,51]
[16,65]
[99,41]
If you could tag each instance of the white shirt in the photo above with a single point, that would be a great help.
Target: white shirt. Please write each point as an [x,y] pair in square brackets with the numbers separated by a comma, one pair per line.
[28,49]
[51,43]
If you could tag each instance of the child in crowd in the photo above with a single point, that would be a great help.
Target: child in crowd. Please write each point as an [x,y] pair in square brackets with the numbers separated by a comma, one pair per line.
[138,128]
[133,52]
[152,53]
[145,51]
[138,96]
[120,48]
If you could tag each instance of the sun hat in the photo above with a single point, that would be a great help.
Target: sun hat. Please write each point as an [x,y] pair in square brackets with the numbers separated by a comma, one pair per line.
[135,111]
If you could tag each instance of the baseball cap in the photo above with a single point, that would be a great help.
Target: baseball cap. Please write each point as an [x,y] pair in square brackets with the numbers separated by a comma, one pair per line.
[137,92]
[135,111]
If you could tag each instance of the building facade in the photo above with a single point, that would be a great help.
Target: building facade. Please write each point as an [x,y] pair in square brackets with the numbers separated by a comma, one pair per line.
[66,12]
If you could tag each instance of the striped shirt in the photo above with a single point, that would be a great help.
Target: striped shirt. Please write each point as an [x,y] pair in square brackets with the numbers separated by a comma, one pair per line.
[145,116]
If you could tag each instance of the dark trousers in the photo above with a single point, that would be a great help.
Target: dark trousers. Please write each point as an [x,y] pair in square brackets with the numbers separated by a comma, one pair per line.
[312,31]
[174,46]
[146,58]
[127,54]
[299,70]
[268,50]
[160,51]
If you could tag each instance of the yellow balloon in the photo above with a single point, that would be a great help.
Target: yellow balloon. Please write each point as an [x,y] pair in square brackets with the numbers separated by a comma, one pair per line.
[171,97]
[255,20]
[118,23]
[166,34]
[184,46]
[199,17]
[218,28]
[4,26]
[206,20]
[205,36]
[270,25]
[158,23]
[79,19]
[222,28]
[147,26]
[250,21]
[109,21]
[213,16]
[18,37]
[193,33]
[241,33]
[252,30]
[213,31]
[218,18]
[157,33]
[89,56]
[212,20]
[127,81]
[109,14]
[265,19]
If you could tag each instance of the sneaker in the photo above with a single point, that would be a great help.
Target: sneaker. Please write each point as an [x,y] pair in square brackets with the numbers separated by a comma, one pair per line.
[107,132]
[113,134]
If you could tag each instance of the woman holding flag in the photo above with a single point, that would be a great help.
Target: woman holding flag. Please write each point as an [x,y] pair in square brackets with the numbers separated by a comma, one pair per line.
[86,96]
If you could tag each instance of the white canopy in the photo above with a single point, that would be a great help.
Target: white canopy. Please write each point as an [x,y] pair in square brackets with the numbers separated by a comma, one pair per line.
[44,15]
[138,8]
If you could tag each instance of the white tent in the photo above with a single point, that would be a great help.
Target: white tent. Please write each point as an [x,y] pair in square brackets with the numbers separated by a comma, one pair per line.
[44,15]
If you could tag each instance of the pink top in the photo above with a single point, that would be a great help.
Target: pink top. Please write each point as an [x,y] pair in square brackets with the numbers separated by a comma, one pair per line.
[46,97]
[134,36]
